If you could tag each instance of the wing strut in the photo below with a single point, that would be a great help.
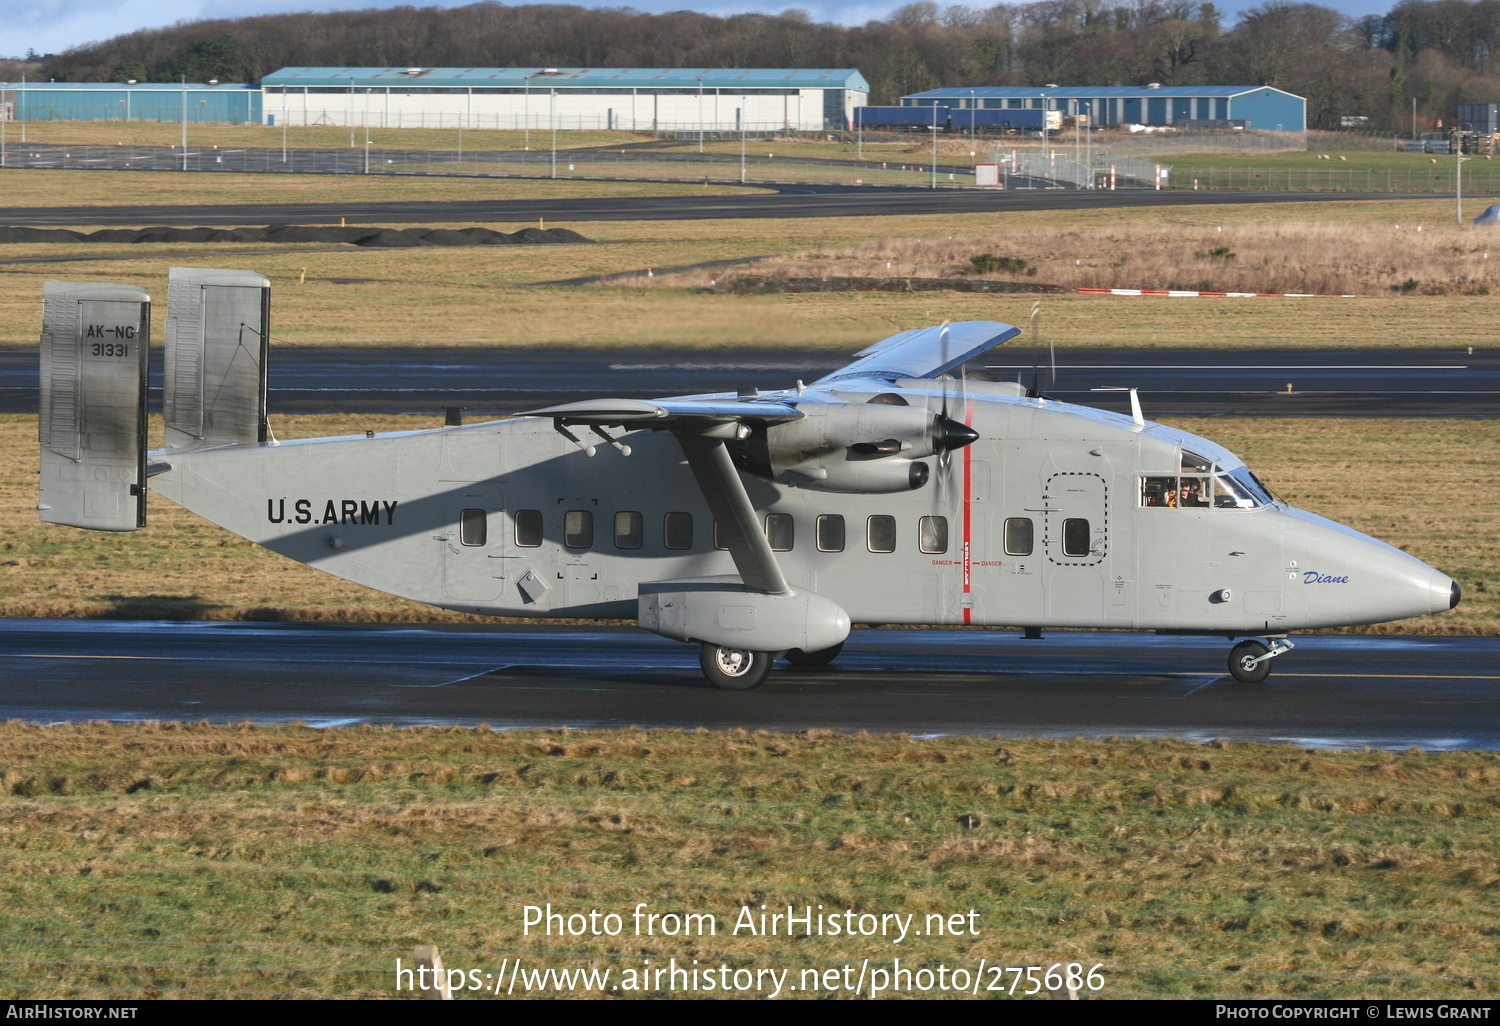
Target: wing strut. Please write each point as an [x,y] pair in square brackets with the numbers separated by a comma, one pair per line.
[739,528]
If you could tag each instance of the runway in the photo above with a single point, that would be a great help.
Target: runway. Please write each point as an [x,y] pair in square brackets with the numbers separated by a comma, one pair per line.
[1171,382]
[1331,692]
[787,199]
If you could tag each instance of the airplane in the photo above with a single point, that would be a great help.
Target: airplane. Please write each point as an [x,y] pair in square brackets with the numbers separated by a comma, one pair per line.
[898,489]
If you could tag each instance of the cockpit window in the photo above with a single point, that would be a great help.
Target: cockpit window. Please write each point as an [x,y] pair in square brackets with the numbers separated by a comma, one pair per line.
[1203,485]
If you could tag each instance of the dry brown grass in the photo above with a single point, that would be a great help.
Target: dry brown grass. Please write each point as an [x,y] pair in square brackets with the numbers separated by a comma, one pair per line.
[29,190]
[1370,258]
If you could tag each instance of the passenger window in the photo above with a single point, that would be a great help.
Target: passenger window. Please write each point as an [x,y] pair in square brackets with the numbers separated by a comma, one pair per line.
[629,530]
[528,528]
[578,529]
[677,530]
[779,531]
[880,534]
[830,533]
[1075,537]
[932,534]
[1018,536]
[472,528]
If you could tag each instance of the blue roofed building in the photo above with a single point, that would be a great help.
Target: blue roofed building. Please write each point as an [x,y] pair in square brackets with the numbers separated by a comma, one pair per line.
[1256,108]
[216,102]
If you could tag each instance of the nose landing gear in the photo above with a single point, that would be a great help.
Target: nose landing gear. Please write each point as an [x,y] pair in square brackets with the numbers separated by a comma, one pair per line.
[1250,661]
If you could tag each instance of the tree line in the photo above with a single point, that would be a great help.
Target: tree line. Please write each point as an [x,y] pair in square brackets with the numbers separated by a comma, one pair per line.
[1431,53]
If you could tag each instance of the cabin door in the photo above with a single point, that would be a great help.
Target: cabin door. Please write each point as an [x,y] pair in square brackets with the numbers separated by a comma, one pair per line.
[1075,544]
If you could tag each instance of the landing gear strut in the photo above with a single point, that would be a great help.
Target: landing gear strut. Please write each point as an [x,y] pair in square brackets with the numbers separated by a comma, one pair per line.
[1250,661]
[734,669]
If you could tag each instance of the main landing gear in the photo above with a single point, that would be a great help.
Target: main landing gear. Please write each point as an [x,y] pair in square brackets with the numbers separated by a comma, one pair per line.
[740,669]
[1250,661]
[734,669]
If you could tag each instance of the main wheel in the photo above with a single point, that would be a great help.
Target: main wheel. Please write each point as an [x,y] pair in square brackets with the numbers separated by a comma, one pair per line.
[734,669]
[1241,665]
[822,657]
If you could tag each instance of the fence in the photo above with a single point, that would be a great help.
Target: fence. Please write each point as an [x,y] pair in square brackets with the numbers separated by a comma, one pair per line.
[759,165]
[1060,170]
[1440,180]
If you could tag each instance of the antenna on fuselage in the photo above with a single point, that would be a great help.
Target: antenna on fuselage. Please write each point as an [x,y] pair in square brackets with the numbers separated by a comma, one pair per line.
[1136,416]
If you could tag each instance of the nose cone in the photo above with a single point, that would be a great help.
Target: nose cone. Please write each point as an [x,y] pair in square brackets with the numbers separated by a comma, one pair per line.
[1442,592]
[949,434]
[1344,578]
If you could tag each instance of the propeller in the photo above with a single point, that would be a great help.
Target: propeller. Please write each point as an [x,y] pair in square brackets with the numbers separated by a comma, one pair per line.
[1035,391]
[948,433]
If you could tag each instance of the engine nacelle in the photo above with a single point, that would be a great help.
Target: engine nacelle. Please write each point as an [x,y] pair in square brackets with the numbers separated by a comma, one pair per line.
[873,476]
[863,447]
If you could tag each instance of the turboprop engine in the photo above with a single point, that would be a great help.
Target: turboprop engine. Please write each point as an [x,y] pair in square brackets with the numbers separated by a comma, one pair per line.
[866,447]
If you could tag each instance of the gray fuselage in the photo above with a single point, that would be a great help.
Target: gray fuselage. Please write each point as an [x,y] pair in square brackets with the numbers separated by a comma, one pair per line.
[1058,515]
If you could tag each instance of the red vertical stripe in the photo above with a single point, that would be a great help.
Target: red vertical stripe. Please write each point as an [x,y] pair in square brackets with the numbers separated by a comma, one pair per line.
[968,519]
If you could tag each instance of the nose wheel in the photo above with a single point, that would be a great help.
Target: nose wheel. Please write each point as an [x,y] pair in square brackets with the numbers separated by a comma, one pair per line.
[1250,661]
[734,669]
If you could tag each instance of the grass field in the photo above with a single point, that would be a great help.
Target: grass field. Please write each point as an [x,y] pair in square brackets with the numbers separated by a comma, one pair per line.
[189,861]
[471,296]
[167,861]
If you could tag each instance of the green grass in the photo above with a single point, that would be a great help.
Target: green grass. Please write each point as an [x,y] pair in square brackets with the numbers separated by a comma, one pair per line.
[177,860]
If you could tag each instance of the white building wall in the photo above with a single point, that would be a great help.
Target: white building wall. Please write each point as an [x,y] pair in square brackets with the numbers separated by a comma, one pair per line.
[540,109]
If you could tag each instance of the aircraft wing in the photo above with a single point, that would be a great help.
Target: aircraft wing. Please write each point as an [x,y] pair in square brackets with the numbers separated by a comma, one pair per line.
[667,412]
[925,352]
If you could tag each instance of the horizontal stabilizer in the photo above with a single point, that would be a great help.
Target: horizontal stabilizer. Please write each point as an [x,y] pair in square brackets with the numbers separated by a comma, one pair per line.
[92,425]
[218,329]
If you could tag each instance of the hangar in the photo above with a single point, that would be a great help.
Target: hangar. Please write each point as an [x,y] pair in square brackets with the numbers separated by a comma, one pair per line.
[1260,108]
[218,102]
[538,99]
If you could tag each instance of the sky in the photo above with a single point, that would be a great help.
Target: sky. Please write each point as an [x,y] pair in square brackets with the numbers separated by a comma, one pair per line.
[53,26]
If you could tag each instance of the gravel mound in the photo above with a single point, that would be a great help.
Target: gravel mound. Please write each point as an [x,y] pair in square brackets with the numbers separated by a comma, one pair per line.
[362,235]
